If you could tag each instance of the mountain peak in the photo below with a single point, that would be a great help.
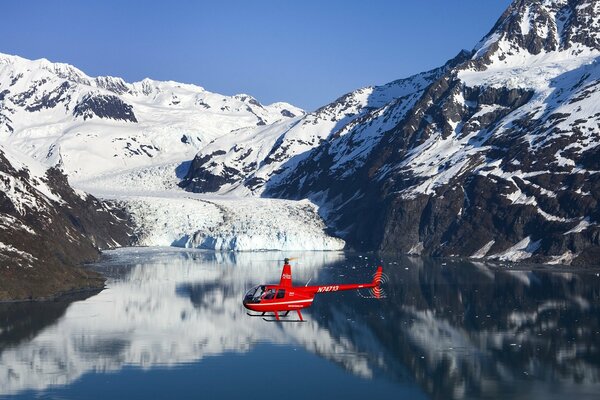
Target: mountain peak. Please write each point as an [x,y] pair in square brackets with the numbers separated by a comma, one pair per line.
[543,26]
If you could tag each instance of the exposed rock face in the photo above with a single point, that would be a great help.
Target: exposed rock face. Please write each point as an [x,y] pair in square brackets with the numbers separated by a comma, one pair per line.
[106,106]
[51,99]
[47,230]
[544,26]
[497,158]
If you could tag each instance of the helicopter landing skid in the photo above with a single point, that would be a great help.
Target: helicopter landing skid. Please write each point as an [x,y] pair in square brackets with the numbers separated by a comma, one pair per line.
[265,313]
[278,318]
[256,315]
[283,320]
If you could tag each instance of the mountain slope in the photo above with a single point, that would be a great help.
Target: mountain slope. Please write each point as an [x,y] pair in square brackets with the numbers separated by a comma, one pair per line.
[47,229]
[498,158]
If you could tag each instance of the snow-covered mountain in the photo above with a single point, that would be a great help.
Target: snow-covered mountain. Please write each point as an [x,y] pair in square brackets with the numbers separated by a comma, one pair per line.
[492,155]
[47,229]
[495,156]
[90,126]
[133,143]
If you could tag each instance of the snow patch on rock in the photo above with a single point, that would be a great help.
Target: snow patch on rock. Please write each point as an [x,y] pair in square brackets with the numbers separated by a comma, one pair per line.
[520,251]
[10,251]
[581,226]
[484,250]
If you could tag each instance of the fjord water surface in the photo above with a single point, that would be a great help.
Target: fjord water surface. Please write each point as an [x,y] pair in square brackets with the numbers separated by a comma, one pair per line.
[170,324]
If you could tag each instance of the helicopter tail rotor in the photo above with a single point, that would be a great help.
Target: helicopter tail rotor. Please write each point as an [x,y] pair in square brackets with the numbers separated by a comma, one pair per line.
[378,274]
[379,278]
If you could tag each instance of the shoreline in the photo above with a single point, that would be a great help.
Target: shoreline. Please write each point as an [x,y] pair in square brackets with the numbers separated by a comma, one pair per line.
[59,296]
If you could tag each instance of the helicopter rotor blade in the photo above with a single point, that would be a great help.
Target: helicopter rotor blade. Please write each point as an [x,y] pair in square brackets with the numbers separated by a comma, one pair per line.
[289,259]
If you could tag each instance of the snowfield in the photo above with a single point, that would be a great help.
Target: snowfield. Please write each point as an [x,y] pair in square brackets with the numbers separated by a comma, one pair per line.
[57,114]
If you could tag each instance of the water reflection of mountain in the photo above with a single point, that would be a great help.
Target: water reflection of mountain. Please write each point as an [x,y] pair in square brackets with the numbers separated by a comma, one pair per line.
[464,330]
[20,322]
[144,319]
[459,330]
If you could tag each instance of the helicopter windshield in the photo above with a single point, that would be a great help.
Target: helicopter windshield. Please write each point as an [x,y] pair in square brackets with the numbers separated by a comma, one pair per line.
[254,295]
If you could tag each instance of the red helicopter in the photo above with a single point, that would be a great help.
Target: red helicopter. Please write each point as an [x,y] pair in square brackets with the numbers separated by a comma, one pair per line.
[285,297]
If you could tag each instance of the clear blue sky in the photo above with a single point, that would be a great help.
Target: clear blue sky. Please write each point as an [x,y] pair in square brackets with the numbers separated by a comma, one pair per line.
[305,52]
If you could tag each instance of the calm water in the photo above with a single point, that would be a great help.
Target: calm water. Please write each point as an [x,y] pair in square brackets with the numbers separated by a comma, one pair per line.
[171,325]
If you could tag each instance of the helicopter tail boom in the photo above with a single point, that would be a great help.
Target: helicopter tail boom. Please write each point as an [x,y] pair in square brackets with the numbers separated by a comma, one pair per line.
[336,288]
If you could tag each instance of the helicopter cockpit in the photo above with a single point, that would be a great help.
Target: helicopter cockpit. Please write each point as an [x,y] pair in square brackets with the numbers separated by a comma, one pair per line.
[262,292]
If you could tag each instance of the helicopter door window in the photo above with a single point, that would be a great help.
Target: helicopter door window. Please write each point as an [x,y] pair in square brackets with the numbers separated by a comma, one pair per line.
[270,294]
[281,293]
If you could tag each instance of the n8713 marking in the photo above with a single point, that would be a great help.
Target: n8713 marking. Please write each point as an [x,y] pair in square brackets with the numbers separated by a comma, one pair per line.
[328,289]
